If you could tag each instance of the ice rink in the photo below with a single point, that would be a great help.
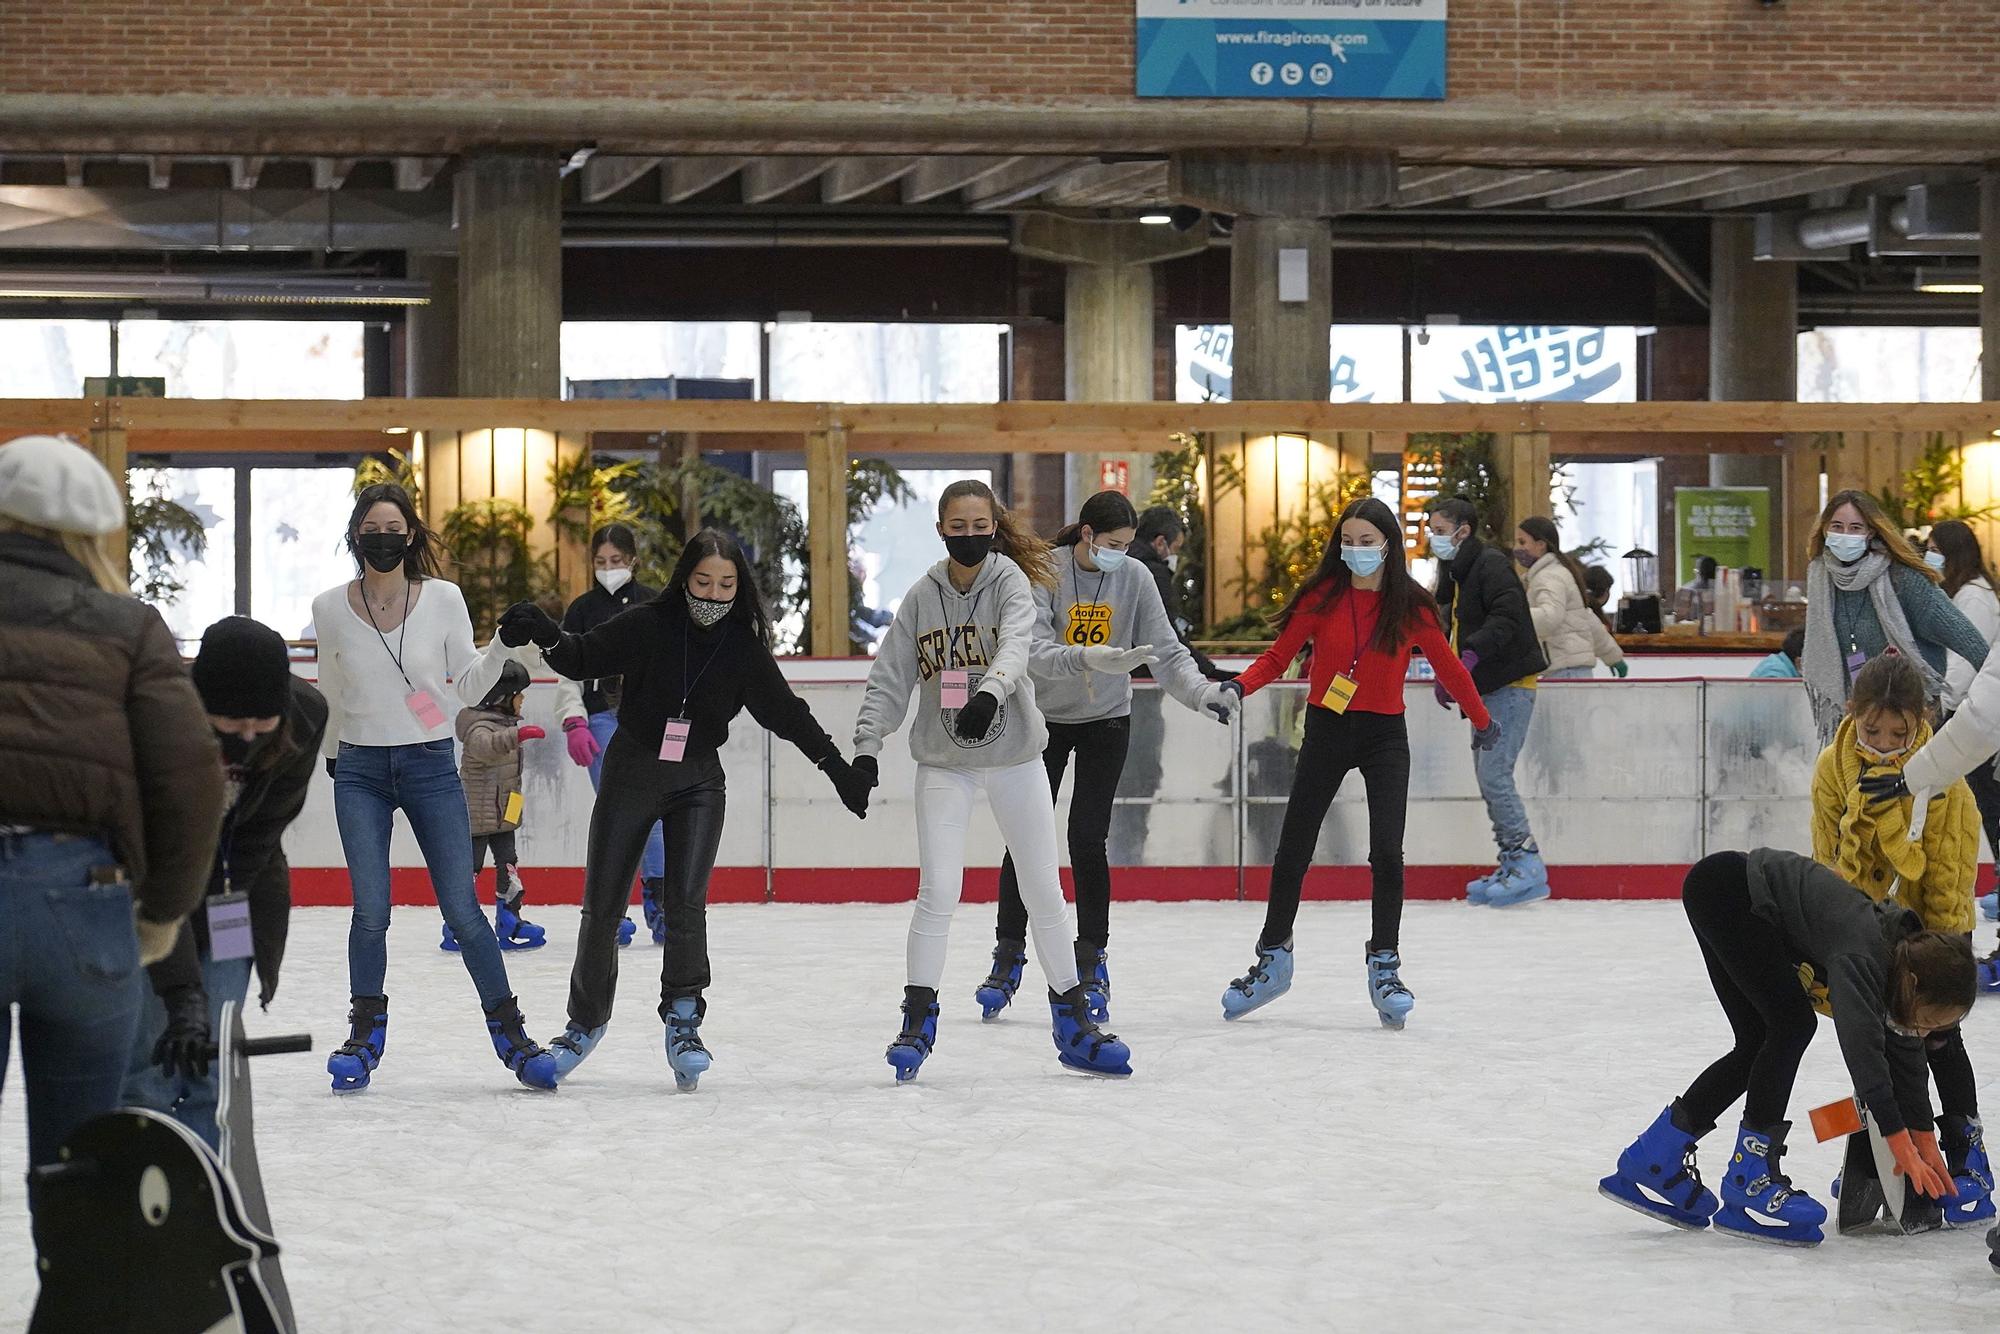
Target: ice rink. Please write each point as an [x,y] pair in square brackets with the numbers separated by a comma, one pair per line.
[1301,1169]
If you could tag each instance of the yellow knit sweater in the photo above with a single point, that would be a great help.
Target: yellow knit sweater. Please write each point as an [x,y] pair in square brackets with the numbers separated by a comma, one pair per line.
[1869,846]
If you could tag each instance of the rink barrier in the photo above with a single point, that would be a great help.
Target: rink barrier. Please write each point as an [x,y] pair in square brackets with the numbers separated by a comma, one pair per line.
[1626,782]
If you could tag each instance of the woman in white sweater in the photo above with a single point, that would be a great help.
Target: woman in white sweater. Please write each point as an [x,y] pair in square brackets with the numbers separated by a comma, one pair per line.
[1573,639]
[1953,551]
[396,660]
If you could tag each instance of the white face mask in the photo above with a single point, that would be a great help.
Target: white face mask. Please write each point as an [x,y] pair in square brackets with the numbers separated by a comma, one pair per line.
[1174,562]
[1874,756]
[1934,559]
[1847,547]
[615,579]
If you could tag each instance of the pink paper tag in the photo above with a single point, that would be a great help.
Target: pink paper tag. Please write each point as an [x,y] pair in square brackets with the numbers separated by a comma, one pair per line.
[423,708]
[674,740]
[954,690]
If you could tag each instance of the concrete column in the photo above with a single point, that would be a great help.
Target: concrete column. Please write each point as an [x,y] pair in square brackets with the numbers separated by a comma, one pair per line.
[430,332]
[1753,357]
[1280,344]
[510,276]
[1989,277]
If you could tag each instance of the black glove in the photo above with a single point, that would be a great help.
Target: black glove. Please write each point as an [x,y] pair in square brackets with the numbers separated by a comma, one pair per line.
[525,621]
[188,1042]
[850,782]
[1221,674]
[976,716]
[1487,737]
[329,767]
[1884,787]
[865,766]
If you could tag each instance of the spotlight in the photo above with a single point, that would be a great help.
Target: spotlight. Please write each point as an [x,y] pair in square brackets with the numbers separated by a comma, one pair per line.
[1155,219]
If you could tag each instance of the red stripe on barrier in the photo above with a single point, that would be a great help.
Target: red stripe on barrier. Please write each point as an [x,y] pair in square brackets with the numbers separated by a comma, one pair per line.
[410,886]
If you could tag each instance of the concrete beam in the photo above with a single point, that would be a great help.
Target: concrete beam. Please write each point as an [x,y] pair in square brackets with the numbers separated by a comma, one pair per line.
[936,176]
[1694,185]
[47,217]
[159,171]
[1526,187]
[417,173]
[852,177]
[1269,184]
[765,178]
[1280,334]
[684,177]
[605,176]
[244,172]
[1786,184]
[330,173]
[1062,240]
[1024,180]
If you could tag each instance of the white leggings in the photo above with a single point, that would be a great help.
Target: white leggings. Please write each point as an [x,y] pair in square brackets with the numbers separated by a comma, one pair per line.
[1026,813]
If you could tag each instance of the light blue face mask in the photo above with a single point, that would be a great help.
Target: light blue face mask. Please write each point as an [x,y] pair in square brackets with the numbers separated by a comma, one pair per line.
[1934,559]
[1443,546]
[1847,547]
[1105,559]
[1363,561]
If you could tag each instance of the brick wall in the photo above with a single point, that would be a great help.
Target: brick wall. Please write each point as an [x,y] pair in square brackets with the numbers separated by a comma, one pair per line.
[1852,53]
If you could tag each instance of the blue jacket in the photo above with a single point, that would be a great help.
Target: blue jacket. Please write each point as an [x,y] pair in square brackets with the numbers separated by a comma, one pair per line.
[1775,667]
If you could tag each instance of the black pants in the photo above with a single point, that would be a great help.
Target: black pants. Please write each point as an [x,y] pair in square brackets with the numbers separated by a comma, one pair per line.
[1951,1069]
[506,884]
[639,788]
[1099,748]
[1755,973]
[1378,744]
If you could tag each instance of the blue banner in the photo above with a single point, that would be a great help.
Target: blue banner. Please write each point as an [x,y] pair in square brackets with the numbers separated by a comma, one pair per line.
[1291,48]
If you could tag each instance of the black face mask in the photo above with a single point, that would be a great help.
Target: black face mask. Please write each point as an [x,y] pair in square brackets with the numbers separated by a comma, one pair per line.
[969,549]
[383,551]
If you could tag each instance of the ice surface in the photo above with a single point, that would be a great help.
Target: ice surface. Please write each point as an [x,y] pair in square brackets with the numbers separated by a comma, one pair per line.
[1302,1168]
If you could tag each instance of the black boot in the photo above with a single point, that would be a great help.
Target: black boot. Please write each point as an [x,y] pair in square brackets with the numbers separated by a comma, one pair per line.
[529,1061]
[919,1035]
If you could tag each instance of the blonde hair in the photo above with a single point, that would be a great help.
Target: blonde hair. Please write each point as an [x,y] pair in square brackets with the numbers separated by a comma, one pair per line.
[100,556]
[1011,537]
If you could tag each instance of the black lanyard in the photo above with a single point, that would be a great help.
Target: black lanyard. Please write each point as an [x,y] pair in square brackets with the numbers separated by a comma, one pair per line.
[1076,585]
[1354,619]
[972,623]
[402,631]
[687,686]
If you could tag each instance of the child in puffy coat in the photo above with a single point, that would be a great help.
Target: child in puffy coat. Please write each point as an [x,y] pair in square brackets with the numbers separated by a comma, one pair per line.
[490,736]
[1926,861]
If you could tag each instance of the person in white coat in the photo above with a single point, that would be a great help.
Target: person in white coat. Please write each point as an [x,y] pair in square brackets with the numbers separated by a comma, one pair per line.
[1573,639]
[1953,551]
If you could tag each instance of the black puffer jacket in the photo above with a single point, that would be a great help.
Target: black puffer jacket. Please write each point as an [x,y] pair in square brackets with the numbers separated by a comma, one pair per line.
[1484,608]
[250,858]
[101,731]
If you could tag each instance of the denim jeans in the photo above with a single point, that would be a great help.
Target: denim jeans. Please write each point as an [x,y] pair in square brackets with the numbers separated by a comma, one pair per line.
[189,1099]
[1513,707]
[372,783]
[70,959]
[652,861]
[1568,674]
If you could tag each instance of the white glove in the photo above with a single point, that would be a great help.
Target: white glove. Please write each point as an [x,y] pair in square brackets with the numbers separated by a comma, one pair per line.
[1219,702]
[1117,661]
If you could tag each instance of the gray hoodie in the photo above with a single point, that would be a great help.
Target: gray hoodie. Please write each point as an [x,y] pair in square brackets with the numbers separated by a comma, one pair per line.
[1121,609]
[987,633]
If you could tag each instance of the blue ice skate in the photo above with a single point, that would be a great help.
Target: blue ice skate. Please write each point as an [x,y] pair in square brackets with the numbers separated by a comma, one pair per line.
[1080,1044]
[572,1045]
[1479,889]
[449,943]
[1758,1201]
[1971,1171]
[1989,904]
[997,991]
[1989,972]
[626,930]
[1393,1001]
[531,1063]
[688,1059]
[919,1035]
[1094,971]
[1269,978]
[515,931]
[353,1062]
[650,891]
[1656,1175]
[1523,879]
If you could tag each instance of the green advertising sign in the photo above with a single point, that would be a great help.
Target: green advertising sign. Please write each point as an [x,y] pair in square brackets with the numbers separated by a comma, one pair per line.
[1730,523]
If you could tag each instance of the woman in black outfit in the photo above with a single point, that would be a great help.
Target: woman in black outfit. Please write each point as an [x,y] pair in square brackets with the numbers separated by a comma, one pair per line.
[691,660]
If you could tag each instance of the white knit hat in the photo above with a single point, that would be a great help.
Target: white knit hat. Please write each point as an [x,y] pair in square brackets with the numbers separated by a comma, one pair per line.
[58,484]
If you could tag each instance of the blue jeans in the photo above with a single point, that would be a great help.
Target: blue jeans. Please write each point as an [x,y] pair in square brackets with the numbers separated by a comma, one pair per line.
[653,861]
[1566,674]
[372,783]
[189,1099]
[1513,707]
[70,959]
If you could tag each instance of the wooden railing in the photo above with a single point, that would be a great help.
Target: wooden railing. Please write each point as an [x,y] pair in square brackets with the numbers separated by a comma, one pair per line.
[1837,445]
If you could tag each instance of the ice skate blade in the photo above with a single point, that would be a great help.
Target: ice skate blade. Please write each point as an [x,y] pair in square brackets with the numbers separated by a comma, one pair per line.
[990,1003]
[343,1089]
[1536,895]
[905,1062]
[1969,1215]
[511,945]
[686,1083]
[1394,1022]
[1686,1222]
[1077,1068]
[1252,1008]
[1797,1239]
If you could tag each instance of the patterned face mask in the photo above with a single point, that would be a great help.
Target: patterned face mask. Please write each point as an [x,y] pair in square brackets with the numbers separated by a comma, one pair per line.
[706,612]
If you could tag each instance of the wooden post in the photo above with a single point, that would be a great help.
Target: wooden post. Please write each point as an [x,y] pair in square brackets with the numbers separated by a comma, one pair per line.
[107,442]
[826,538]
[1523,459]
[572,554]
[1801,505]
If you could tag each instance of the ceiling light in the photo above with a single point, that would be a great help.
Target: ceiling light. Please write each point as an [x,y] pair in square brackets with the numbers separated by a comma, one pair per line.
[1155,219]
[220,289]
[1950,282]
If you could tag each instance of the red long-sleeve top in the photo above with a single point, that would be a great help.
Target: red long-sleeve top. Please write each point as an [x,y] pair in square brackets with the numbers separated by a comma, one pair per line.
[1335,628]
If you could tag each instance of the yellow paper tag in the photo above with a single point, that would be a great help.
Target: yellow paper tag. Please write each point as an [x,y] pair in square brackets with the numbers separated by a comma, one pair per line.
[1339,692]
[513,815]
[1089,623]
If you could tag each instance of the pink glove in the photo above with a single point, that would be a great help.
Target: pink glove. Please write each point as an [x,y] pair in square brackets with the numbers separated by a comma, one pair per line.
[530,733]
[583,747]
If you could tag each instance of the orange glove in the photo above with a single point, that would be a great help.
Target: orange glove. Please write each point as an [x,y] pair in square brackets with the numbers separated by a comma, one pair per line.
[1917,1158]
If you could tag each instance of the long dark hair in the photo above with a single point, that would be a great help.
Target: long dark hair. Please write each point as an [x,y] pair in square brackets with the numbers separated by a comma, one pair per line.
[1963,560]
[1933,970]
[421,556]
[1404,600]
[1011,537]
[1101,514]
[749,599]
[1543,530]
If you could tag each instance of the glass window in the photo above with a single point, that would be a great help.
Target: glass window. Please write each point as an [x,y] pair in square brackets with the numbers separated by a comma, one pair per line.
[886,363]
[50,358]
[1889,365]
[298,527]
[892,548]
[1523,363]
[245,358]
[206,587]
[1364,363]
[653,350]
